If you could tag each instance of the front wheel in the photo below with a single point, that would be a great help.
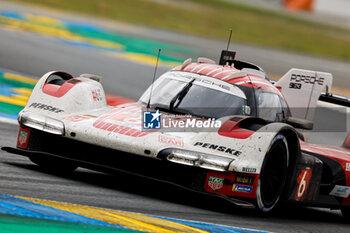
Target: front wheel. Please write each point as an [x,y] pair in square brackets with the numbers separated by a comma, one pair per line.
[273,174]
[55,165]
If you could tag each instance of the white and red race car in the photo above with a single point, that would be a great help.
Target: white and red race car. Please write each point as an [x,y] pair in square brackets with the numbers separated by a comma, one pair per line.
[223,129]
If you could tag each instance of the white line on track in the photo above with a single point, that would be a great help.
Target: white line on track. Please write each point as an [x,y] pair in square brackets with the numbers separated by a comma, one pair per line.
[9,121]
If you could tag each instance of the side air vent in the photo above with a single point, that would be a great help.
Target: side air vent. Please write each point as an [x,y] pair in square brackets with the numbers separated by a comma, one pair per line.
[58,78]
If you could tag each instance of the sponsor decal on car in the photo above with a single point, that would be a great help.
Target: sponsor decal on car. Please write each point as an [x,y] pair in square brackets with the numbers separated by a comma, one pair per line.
[307,79]
[244,179]
[297,80]
[340,191]
[171,140]
[215,183]
[96,95]
[242,188]
[218,148]
[23,138]
[249,169]
[347,168]
[45,107]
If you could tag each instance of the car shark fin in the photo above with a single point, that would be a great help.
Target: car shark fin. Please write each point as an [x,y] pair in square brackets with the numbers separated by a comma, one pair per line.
[302,89]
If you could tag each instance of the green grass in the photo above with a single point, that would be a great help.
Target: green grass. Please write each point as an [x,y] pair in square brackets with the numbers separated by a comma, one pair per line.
[213,18]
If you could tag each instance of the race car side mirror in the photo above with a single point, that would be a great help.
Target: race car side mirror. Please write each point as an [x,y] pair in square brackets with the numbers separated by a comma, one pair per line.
[299,123]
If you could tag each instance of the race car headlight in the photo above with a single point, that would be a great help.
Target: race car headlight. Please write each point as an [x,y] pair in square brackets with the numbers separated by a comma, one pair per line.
[40,122]
[197,159]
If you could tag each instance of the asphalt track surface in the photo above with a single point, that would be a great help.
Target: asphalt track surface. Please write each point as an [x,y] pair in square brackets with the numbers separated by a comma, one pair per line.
[31,54]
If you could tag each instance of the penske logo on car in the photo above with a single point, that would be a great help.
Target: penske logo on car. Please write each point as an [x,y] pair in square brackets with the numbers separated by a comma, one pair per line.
[218,148]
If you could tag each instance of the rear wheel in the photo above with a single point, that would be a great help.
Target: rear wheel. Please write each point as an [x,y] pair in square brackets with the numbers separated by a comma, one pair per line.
[273,174]
[55,165]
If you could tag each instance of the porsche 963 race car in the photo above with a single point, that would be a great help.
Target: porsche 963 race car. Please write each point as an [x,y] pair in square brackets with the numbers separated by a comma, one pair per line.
[223,129]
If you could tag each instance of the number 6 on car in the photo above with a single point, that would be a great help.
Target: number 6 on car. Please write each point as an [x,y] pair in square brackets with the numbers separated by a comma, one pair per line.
[303,183]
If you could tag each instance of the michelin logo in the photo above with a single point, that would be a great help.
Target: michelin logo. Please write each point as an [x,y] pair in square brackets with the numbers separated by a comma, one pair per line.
[152,119]
[242,188]
[340,191]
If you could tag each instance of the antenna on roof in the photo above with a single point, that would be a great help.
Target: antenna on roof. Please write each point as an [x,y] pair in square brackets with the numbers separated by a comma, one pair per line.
[154,76]
[229,39]
[226,55]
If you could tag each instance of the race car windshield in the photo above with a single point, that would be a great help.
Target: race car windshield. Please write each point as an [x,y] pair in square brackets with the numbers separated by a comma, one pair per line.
[163,92]
[210,103]
[191,96]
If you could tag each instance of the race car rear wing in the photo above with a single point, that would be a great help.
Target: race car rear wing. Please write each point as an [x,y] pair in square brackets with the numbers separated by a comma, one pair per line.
[341,101]
[335,99]
[302,89]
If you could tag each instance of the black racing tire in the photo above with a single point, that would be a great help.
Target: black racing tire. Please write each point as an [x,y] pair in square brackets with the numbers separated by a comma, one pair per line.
[54,165]
[273,175]
[345,211]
